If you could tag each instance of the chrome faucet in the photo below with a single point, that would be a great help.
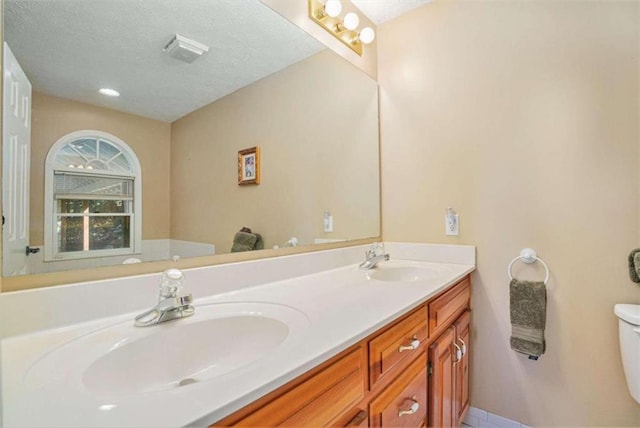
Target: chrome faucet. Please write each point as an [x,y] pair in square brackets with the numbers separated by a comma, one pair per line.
[373,256]
[173,303]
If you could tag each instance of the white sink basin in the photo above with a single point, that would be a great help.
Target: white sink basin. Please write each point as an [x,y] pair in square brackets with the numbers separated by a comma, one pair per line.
[406,271]
[402,274]
[127,360]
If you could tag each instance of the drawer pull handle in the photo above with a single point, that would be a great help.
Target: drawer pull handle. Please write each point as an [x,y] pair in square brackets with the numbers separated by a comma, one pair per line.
[415,343]
[464,346]
[413,409]
[458,353]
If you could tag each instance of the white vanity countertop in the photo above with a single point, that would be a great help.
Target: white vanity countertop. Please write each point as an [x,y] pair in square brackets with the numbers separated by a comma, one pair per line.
[342,306]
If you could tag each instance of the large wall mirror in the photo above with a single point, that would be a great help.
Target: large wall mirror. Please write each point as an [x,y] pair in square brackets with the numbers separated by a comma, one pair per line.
[237,76]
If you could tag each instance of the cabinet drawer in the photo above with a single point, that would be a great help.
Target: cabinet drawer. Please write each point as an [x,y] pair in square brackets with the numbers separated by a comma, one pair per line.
[393,407]
[318,401]
[444,310]
[392,347]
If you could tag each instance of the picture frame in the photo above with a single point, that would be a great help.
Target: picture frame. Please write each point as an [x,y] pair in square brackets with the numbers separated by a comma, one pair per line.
[249,166]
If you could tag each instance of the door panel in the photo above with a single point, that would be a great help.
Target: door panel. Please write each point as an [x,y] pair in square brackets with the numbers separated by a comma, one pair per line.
[16,153]
[462,368]
[441,381]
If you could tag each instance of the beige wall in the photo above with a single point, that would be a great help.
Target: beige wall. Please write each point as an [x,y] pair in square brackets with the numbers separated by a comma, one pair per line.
[524,117]
[53,117]
[298,13]
[318,139]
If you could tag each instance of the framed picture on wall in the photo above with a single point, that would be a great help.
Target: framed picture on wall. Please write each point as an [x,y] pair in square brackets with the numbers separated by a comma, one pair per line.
[249,166]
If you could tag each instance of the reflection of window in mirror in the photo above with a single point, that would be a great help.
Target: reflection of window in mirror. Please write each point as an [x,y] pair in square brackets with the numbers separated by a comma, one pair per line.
[92,197]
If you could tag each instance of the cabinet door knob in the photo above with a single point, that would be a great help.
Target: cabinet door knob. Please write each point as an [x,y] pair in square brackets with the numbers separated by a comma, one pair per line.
[415,343]
[464,345]
[415,406]
[458,353]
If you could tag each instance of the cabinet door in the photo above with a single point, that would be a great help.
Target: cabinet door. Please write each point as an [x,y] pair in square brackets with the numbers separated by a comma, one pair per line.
[462,367]
[404,402]
[442,380]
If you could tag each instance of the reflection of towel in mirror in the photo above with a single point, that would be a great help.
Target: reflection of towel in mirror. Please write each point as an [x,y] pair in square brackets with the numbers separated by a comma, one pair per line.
[259,245]
[528,310]
[243,241]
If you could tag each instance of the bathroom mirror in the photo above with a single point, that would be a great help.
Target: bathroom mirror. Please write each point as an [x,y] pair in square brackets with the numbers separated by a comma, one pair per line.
[259,81]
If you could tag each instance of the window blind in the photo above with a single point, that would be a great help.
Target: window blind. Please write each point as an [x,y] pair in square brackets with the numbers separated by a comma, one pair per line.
[91,186]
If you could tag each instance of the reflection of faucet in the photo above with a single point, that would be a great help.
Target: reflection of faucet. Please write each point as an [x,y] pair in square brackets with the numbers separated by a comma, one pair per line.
[293,242]
[172,304]
[373,256]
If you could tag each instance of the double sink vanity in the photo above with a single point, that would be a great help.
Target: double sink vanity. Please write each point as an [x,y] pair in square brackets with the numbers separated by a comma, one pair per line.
[302,340]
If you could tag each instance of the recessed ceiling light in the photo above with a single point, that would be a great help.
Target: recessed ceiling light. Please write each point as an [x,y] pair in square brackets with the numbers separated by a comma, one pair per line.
[109,92]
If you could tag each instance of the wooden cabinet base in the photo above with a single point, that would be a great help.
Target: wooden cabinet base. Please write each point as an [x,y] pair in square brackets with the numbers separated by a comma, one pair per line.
[409,373]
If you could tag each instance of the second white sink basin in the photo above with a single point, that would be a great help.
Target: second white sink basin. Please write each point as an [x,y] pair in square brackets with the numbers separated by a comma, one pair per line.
[127,360]
[406,271]
[402,274]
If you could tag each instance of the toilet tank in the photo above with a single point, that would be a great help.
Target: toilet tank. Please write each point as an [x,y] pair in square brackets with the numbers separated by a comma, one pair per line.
[629,331]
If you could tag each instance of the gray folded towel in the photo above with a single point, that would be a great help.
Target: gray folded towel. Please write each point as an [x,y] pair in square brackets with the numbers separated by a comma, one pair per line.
[259,245]
[528,310]
[634,265]
[243,241]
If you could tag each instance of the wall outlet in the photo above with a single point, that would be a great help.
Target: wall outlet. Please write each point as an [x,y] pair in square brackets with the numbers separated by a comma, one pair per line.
[451,223]
[327,221]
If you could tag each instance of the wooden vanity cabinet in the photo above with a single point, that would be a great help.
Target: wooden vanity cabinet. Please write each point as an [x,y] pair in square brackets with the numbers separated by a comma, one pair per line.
[407,374]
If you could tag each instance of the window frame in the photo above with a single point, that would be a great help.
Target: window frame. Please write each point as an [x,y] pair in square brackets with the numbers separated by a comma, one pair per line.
[51,252]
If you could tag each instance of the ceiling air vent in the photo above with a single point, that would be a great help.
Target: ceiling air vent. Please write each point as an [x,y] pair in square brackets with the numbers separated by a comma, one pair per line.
[187,50]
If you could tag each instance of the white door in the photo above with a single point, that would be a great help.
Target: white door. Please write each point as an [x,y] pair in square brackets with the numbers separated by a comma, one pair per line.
[16,152]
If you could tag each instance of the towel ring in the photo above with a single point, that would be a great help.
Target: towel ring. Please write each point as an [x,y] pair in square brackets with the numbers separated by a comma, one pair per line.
[529,256]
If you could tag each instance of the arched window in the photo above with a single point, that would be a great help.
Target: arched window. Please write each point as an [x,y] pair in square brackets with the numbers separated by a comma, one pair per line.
[93,197]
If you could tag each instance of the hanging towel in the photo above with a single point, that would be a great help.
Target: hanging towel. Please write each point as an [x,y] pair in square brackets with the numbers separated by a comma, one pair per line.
[243,241]
[528,310]
[634,265]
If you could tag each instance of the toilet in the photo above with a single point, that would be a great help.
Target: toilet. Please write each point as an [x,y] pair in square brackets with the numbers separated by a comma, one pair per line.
[629,329]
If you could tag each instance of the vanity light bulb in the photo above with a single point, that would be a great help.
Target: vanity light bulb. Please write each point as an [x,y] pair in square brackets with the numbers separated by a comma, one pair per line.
[366,35]
[333,8]
[351,21]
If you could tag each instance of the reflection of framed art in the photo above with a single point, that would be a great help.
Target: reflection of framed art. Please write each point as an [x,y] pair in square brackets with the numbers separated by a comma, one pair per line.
[249,166]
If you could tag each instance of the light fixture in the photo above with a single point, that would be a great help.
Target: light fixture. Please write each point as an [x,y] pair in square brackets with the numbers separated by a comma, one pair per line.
[366,35]
[332,8]
[327,15]
[351,21]
[183,49]
[109,92]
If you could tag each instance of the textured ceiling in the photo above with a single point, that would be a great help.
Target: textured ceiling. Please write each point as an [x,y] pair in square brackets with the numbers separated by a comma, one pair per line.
[71,48]
[380,11]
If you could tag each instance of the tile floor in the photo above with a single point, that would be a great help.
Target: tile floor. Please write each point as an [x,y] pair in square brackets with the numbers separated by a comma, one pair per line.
[479,418]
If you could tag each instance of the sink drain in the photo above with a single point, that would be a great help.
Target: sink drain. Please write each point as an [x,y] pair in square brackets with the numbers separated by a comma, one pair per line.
[187,381]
